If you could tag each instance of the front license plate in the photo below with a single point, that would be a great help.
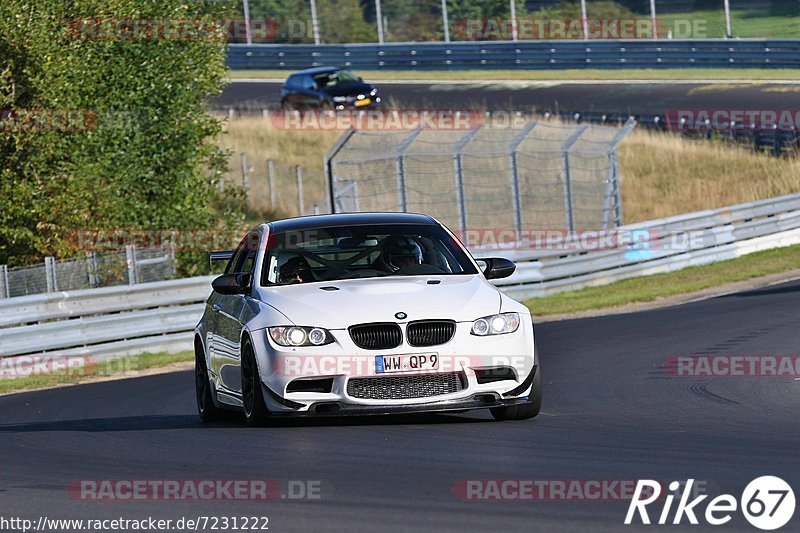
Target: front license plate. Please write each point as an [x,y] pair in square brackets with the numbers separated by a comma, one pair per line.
[365,101]
[385,364]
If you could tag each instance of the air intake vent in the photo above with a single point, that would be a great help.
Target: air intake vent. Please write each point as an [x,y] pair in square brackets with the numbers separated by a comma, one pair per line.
[400,387]
[430,332]
[377,336]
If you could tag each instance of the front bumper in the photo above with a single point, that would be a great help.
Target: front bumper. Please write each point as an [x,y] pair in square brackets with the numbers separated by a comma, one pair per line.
[279,367]
[474,401]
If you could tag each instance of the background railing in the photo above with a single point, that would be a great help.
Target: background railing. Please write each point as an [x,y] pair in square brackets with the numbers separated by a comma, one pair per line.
[543,55]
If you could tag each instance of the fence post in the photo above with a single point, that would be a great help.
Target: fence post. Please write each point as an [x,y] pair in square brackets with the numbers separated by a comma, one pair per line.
[327,161]
[613,190]
[245,170]
[172,262]
[271,180]
[401,171]
[460,196]
[4,274]
[515,192]
[299,172]
[130,259]
[91,267]
[565,148]
[50,273]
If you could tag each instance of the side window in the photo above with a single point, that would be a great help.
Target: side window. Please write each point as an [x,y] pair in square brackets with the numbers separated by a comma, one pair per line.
[244,258]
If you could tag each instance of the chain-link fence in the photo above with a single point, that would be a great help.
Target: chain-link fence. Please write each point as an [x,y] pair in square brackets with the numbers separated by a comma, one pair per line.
[352,21]
[540,175]
[134,265]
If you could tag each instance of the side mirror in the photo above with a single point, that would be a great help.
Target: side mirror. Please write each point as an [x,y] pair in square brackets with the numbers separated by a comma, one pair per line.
[497,268]
[312,87]
[236,283]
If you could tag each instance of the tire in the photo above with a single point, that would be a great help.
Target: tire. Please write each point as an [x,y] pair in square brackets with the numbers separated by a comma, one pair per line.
[527,410]
[255,410]
[203,389]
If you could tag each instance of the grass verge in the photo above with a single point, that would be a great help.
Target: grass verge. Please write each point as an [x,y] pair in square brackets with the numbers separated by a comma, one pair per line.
[687,74]
[122,367]
[652,288]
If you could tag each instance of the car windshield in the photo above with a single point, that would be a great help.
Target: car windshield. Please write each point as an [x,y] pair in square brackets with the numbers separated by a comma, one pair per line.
[327,80]
[350,252]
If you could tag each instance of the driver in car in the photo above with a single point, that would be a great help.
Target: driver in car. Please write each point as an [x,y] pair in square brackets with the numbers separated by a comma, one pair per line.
[400,254]
[296,270]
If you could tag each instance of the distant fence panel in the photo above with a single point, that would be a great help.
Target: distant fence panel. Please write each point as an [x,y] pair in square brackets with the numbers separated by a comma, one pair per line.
[542,55]
[135,265]
[537,176]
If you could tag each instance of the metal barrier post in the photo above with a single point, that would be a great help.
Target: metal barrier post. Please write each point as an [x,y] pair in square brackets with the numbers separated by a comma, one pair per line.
[299,173]
[245,173]
[460,196]
[6,288]
[613,188]
[565,148]
[328,162]
[91,267]
[130,259]
[50,273]
[401,172]
[271,179]
[515,192]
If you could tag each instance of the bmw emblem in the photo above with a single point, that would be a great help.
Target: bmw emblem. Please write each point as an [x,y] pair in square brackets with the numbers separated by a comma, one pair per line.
[400,316]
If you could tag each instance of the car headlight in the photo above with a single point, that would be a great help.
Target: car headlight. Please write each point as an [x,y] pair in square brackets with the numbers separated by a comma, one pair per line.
[339,98]
[300,336]
[496,324]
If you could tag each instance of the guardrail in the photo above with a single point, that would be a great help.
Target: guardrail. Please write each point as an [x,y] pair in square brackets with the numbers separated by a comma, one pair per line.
[160,316]
[105,322]
[652,247]
[541,55]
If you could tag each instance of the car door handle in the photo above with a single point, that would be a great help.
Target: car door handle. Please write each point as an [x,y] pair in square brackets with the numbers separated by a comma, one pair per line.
[216,307]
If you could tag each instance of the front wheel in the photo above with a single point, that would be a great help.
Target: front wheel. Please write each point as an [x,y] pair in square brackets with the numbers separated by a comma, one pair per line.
[255,410]
[524,411]
[203,391]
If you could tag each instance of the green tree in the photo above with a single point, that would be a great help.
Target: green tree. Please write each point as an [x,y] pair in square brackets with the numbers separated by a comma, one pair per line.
[141,152]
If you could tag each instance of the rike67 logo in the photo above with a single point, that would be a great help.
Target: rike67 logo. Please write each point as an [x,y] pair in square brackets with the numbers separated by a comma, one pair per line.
[767,503]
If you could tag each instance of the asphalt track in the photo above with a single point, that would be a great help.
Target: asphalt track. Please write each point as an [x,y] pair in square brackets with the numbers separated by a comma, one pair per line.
[623,97]
[611,412]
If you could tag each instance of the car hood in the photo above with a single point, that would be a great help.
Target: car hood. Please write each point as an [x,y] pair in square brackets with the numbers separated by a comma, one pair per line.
[460,298]
[350,89]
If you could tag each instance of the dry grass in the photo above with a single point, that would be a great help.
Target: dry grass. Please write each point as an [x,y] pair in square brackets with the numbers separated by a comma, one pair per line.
[260,140]
[662,174]
[665,175]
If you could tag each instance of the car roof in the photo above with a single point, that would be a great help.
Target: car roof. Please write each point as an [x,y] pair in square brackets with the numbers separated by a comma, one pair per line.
[348,219]
[318,70]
